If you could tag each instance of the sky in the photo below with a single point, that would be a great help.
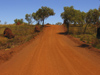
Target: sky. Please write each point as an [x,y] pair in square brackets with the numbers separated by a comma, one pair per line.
[17,9]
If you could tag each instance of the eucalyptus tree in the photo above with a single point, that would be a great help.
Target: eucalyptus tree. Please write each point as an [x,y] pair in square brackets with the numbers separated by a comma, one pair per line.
[95,15]
[92,17]
[36,17]
[79,17]
[43,13]
[28,18]
[83,18]
[68,16]
[89,17]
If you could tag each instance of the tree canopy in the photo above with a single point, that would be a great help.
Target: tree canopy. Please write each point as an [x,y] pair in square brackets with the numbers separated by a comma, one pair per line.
[28,17]
[43,13]
[71,15]
[92,16]
[18,21]
[36,17]
[68,14]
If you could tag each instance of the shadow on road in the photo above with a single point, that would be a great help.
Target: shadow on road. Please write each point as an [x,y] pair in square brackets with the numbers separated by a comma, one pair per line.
[90,48]
[83,45]
[63,33]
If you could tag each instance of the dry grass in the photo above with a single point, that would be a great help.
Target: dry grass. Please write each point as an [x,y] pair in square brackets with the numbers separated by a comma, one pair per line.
[22,34]
[89,37]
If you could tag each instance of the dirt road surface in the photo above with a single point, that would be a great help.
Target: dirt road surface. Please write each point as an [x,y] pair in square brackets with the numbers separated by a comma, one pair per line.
[52,53]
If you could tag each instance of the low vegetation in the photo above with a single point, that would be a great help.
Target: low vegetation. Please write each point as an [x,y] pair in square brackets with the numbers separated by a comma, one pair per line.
[83,25]
[89,37]
[20,31]
[23,33]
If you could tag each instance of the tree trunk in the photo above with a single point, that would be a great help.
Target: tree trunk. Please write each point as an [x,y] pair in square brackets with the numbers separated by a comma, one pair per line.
[85,29]
[67,28]
[67,24]
[38,23]
[74,23]
[98,31]
[43,21]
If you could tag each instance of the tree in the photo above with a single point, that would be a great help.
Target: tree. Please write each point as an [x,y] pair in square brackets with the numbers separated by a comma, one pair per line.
[96,15]
[89,16]
[92,17]
[68,15]
[18,21]
[0,21]
[28,17]
[43,13]
[79,17]
[36,17]
[83,16]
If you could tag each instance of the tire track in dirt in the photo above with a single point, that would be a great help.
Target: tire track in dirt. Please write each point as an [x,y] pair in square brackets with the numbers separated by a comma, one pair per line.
[52,53]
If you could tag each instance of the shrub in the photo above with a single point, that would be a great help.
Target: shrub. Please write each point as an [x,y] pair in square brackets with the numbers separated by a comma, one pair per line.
[95,42]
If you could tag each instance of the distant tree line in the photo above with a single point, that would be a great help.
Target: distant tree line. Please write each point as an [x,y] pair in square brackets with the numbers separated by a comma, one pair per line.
[39,16]
[73,16]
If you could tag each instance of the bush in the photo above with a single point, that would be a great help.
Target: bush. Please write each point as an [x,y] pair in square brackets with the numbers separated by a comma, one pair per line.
[75,30]
[95,42]
[89,37]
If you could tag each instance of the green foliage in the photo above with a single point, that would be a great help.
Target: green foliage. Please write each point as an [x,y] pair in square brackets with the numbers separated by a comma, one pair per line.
[96,15]
[43,13]
[73,16]
[89,37]
[79,17]
[18,21]
[92,16]
[28,18]
[89,17]
[70,15]
[36,17]
[75,30]
[96,43]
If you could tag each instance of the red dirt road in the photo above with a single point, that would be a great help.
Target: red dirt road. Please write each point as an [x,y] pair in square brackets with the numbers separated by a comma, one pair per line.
[52,53]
